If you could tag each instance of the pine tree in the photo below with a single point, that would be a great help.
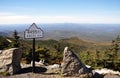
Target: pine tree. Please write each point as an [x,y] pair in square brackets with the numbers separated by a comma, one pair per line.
[113,53]
[97,59]
[16,42]
[3,43]
[118,39]
[57,47]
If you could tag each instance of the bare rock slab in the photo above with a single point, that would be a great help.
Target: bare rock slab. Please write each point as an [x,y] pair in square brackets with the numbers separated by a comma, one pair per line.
[111,76]
[72,65]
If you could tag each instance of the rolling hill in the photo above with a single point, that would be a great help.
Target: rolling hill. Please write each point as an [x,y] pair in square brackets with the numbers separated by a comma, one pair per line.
[89,32]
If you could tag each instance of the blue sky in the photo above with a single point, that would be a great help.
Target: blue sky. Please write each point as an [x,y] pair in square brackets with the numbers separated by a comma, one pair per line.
[59,11]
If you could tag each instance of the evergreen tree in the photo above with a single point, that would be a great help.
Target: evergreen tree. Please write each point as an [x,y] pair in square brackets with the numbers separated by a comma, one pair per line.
[42,54]
[3,43]
[114,49]
[88,60]
[97,58]
[57,47]
[118,39]
[16,42]
[113,54]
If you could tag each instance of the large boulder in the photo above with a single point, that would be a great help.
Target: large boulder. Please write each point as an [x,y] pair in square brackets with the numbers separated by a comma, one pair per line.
[10,60]
[72,65]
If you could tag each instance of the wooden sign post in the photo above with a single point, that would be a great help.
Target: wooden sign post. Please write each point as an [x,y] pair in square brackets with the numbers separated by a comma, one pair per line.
[32,33]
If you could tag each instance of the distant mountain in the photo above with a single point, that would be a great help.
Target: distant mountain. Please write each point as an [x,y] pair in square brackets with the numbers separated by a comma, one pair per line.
[92,32]
[86,44]
[3,34]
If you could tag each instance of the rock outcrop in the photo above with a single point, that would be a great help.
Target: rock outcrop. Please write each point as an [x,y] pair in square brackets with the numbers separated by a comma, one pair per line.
[10,60]
[105,71]
[111,76]
[72,65]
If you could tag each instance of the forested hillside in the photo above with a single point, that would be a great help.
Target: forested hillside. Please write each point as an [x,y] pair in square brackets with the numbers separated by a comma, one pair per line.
[94,54]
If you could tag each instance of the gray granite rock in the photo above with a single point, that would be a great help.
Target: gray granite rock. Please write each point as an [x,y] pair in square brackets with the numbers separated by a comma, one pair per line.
[111,76]
[10,60]
[72,65]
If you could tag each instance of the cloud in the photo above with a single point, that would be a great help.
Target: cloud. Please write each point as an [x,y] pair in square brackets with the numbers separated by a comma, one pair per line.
[9,18]
[5,13]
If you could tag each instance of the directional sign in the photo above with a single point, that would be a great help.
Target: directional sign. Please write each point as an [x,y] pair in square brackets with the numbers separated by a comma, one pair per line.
[33,32]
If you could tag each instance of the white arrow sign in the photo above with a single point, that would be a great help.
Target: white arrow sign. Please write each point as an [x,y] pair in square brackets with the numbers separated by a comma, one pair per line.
[33,32]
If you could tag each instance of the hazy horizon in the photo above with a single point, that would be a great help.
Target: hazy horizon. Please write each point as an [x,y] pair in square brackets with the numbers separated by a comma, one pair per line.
[62,23]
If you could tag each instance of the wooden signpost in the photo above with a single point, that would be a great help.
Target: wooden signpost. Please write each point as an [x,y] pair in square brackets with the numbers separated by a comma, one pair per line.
[33,32]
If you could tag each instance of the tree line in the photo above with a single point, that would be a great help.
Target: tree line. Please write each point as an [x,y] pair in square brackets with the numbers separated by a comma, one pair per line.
[52,51]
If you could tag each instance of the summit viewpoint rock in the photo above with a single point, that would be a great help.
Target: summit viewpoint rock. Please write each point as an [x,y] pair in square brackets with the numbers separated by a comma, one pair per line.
[10,60]
[72,65]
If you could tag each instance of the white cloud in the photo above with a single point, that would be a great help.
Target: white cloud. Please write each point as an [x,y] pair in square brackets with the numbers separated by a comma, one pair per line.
[8,18]
[5,13]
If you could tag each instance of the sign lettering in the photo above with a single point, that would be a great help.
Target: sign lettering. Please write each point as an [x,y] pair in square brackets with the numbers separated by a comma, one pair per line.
[33,32]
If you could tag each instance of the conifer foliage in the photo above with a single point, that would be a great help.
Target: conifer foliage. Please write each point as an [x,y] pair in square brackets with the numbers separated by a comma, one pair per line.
[16,42]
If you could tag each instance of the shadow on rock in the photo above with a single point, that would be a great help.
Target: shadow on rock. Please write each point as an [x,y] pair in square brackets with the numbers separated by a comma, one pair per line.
[29,69]
[97,75]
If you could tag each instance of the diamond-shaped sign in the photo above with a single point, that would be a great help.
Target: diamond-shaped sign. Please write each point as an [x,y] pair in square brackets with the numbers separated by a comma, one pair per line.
[33,32]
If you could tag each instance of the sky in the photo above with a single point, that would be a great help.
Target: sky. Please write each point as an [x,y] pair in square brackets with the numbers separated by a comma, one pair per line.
[59,11]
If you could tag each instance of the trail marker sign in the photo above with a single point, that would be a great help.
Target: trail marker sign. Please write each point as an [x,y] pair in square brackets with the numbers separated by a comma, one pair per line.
[33,32]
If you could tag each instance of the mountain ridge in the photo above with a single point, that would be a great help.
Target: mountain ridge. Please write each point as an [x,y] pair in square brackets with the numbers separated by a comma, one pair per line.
[92,32]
